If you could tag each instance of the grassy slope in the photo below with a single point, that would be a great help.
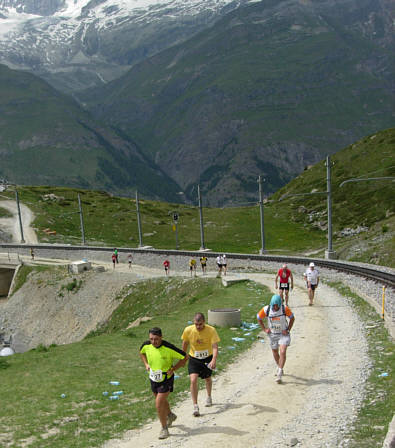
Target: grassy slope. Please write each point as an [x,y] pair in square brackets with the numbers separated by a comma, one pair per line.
[369,203]
[32,383]
[112,221]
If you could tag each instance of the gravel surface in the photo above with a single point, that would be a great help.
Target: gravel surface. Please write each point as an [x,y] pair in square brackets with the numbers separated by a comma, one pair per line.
[327,365]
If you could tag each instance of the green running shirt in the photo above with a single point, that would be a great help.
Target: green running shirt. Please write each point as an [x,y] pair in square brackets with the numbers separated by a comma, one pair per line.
[161,358]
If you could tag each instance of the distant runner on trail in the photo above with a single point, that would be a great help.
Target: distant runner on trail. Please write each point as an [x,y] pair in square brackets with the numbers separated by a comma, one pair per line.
[219,264]
[280,321]
[192,266]
[312,277]
[130,259]
[284,275]
[224,263]
[158,356]
[203,262]
[166,264]
[203,341]
[114,260]
[116,254]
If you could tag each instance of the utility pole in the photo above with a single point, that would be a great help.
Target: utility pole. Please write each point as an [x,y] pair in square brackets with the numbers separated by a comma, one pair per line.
[139,220]
[81,220]
[19,215]
[262,250]
[329,253]
[202,247]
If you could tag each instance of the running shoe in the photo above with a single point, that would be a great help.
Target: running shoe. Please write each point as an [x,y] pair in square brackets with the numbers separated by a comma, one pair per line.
[196,412]
[171,418]
[164,433]
[279,375]
[209,402]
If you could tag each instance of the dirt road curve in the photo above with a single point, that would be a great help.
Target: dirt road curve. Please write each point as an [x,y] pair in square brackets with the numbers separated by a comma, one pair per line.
[311,408]
[11,225]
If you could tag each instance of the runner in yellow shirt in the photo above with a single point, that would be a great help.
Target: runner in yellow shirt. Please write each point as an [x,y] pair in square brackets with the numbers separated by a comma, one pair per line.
[192,266]
[202,340]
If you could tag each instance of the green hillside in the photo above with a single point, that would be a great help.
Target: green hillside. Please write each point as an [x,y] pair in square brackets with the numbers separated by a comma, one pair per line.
[368,204]
[296,225]
[268,89]
[46,138]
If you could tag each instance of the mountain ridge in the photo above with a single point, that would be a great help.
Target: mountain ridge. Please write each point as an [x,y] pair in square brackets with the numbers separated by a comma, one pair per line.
[270,88]
[75,45]
[47,138]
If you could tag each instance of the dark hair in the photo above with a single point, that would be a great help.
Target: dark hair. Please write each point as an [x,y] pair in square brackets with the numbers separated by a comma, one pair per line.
[199,316]
[156,331]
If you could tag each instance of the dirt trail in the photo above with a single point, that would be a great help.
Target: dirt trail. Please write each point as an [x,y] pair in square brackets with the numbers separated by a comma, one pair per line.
[11,225]
[250,409]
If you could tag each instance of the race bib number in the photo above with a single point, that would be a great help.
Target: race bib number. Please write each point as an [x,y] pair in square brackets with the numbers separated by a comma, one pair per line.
[156,375]
[283,285]
[201,354]
[276,326]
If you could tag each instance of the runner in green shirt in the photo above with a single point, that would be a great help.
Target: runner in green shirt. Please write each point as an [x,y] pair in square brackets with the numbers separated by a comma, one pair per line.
[158,356]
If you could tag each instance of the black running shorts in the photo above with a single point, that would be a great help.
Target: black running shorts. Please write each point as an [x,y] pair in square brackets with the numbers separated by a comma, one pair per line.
[164,386]
[199,366]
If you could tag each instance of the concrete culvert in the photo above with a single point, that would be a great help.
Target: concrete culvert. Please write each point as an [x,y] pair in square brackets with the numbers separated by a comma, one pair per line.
[224,317]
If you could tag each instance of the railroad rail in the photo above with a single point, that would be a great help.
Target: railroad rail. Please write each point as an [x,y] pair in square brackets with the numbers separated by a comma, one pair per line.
[385,277]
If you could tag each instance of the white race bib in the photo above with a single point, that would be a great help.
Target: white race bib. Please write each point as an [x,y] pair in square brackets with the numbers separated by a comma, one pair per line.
[275,326]
[201,354]
[156,375]
[283,285]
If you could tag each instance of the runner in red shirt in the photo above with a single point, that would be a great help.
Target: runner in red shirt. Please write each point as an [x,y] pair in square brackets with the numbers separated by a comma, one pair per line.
[284,275]
[166,264]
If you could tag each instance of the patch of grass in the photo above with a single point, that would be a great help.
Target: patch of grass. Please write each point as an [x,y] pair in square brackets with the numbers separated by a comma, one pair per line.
[32,385]
[4,213]
[73,286]
[377,409]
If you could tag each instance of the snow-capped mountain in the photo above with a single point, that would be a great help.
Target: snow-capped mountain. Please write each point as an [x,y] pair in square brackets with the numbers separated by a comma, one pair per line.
[75,44]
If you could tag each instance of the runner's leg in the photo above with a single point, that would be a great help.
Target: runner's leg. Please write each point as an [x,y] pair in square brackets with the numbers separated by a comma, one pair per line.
[209,386]
[162,407]
[193,377]
[276,355]
[283,356]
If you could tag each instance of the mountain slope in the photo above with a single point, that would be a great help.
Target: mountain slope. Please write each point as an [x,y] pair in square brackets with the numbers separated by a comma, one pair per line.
[47,139]
[75,44]
[269,89]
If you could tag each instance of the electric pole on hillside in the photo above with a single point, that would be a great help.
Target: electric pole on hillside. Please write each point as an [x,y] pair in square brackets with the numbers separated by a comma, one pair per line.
[139,220]
[202,247]
[81,220]
[19,215]
[329,253]
[262,250]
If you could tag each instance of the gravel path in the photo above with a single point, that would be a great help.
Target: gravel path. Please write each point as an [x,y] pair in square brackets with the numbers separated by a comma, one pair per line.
[11,225]
[326,367]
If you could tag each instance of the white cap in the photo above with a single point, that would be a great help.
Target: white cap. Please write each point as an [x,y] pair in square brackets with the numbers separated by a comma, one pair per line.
[311,264]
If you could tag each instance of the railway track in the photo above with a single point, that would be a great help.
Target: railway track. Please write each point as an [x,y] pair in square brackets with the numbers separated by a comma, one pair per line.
[384,277]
